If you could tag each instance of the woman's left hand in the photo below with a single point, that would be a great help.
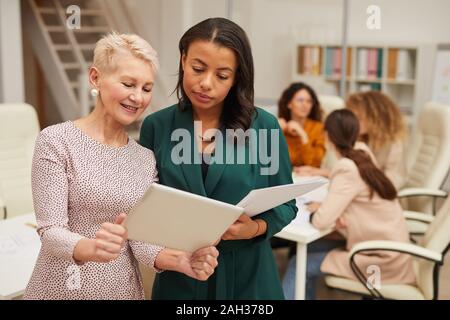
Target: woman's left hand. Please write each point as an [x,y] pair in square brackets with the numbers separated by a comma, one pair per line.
[199,264]
[203,262]
[244,228]
[313,206]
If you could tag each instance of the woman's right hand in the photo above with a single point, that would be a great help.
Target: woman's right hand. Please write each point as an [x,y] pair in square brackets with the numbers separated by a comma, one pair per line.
[107,244]
[199,265]
[295,129]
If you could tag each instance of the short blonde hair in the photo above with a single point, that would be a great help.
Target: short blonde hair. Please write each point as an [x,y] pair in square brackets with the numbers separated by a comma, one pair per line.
[113,43]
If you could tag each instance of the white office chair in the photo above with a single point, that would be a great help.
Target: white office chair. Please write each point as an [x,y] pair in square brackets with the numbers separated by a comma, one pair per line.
[428,258]
[429,154]
[329,104]
[19,128]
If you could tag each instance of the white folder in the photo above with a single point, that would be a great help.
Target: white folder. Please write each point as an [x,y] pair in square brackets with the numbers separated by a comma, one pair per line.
[261,200]
[181,220]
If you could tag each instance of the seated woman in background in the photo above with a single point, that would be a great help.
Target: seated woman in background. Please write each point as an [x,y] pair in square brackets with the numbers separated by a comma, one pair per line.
[361,204]
[383,130]
[300,115]
[87,174]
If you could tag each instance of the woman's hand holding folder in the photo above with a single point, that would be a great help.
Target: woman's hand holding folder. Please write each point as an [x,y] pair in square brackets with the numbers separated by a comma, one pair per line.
[107,244]
[245,228]
[199,265]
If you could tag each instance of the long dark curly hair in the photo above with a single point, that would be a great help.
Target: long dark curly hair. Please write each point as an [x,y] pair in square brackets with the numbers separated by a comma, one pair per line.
[289,93]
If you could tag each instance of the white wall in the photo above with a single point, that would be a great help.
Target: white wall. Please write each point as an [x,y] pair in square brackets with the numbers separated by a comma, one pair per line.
[162,23]
[11,62]
[274,27]
[420,21]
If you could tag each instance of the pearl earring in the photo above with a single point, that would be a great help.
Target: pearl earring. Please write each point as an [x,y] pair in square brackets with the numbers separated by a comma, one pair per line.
[94,92]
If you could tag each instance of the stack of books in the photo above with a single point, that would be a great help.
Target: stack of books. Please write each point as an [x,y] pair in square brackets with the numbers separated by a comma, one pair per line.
[400,65]
[309,60]
[370,64]
[333,62]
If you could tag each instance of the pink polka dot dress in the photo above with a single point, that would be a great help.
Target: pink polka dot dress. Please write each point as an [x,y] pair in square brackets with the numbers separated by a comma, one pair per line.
[79,183]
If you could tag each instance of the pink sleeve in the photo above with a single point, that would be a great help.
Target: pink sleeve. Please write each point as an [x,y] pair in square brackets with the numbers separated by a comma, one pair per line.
[146,253]
[50,196]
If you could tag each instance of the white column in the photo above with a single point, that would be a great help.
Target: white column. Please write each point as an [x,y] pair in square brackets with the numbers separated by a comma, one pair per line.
[11,60]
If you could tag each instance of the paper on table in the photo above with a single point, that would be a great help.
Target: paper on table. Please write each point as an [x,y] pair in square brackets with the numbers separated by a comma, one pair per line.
[261,200]
[11,244]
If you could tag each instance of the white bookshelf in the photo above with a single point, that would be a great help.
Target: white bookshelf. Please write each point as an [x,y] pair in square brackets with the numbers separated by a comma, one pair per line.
[410,92]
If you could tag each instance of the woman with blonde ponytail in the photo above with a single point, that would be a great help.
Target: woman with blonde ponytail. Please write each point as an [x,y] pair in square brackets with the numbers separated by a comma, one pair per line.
[361,204]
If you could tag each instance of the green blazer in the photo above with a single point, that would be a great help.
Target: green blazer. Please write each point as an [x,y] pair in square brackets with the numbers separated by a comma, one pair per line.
[246,268]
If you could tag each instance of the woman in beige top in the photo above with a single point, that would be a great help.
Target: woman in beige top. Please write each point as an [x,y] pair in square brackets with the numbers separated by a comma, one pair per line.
[382,129]
[361,203]
[87,174]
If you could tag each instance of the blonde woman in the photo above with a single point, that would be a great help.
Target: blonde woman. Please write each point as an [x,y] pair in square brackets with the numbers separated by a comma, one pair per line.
[383,130]
[87,174]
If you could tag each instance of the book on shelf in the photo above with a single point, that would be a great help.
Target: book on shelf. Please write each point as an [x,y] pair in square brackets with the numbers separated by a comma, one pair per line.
[370,63]
[300,54]
[380,63]
[362,63]
[337,60]
[400,64]
[309,60]
[392,63]
[333,62]
[405,65]
[329,62]
[315,61]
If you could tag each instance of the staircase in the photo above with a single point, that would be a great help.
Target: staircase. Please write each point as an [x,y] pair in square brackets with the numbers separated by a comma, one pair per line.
[65,53]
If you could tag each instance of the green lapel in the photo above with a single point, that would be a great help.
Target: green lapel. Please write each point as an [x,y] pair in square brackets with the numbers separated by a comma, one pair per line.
[215,170]
[192,172]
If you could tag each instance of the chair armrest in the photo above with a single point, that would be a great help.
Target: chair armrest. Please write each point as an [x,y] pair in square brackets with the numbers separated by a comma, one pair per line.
[417,192]
[396,246]
[418,216]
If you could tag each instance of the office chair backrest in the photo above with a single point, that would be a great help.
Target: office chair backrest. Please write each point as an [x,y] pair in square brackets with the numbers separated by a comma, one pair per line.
[430,151]
[19,128]
[330,103]
[436,238]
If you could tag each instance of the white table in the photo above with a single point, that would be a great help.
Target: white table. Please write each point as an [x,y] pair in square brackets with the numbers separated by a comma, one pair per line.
[19,246]
[302,232]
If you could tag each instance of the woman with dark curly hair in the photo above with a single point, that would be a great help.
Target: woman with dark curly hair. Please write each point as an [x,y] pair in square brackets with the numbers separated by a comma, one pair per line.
[300,117]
